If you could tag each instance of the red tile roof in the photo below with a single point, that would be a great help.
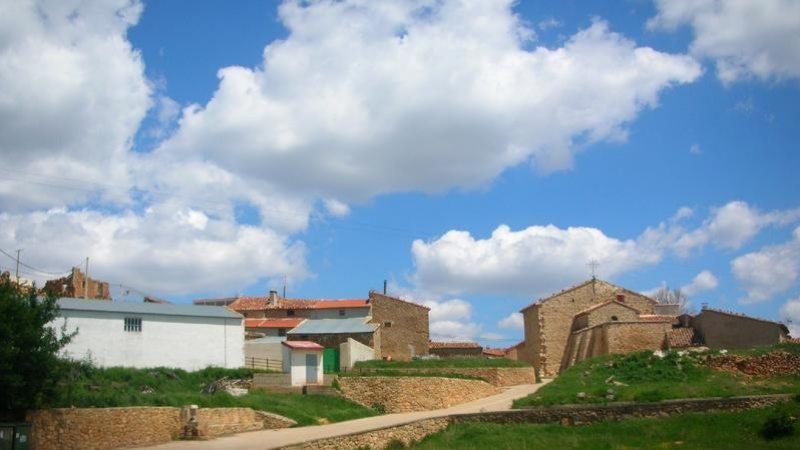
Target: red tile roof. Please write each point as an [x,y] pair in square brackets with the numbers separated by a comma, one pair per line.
[453,345]
[303,345]
[494,352]
[620,289]
[683,337]
[272,323]
[262,303]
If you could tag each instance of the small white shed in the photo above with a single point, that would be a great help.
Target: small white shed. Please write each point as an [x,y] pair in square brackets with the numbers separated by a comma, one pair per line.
[303,361]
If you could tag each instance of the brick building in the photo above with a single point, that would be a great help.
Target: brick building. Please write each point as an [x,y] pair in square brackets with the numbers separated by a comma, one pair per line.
[78,285]
[550,322]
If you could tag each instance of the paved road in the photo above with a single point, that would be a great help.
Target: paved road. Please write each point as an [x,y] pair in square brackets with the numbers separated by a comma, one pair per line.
[270,439]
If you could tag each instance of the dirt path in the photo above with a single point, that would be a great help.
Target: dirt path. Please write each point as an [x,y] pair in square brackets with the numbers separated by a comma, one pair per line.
[270,439]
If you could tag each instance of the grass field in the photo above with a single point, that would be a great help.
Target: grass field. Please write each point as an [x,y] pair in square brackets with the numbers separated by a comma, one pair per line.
[645,377]
[695,431]
[95,387]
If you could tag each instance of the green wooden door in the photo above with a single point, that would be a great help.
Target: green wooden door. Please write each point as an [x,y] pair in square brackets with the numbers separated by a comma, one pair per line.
[330,360]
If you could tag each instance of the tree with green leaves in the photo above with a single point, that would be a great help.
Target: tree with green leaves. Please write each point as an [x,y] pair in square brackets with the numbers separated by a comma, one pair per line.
[30,367]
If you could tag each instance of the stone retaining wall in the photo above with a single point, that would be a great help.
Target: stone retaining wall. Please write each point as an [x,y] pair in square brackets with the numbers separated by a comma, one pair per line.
[111,428]
[378,439]
[496,376]
[585,414]
[102,428]
[405,394]
[566,415]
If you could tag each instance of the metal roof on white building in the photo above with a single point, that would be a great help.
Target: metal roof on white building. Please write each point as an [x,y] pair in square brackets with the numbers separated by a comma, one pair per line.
[79,304]
[335,326]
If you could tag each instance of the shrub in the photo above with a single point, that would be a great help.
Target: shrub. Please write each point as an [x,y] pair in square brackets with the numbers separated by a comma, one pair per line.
[379,408]
[396,444]
[780,423]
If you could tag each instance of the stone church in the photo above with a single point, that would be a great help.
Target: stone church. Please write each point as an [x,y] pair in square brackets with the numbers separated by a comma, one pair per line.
[592,319]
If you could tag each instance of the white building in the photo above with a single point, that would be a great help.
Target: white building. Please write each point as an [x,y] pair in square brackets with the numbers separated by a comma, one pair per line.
[303,360]
[141,335]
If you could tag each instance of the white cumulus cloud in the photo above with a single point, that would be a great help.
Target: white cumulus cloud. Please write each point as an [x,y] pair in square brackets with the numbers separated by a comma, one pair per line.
[530,262]
[513,321]
[73,96]
[732,225]
[769,271]
[746,38]
[704,281]
[418,95]
[790,313]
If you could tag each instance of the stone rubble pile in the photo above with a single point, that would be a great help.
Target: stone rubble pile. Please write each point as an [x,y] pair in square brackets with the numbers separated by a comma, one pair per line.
[770,364]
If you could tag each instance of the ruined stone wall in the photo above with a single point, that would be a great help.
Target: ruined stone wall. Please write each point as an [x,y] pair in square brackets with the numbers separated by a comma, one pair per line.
[378,439]
[532,350]
[406,394]
[112,428]
[404,331]
[555,314]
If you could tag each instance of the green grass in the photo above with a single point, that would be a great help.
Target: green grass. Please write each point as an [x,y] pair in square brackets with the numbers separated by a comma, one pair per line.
[461,363]
[649,378]
[114,387]
[700,431]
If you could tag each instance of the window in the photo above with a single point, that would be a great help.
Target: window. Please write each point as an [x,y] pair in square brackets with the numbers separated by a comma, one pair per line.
[387,324]
[614,318]
[341,312]
[133,324]
[289,312]
[281,331]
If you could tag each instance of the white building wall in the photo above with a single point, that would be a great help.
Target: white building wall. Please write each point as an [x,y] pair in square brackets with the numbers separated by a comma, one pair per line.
[189,343]
[294,363]
[352,352]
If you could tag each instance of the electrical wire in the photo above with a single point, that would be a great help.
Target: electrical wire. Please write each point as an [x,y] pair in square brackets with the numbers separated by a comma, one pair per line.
[31,267]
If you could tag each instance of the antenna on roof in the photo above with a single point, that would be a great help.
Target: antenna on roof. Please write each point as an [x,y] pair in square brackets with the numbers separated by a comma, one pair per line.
[384,287]
[593,264]
[284,286]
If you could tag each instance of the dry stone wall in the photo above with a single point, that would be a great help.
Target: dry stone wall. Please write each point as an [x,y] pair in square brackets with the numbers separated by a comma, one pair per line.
[406,394]
[378,439]
[111,428]
[496,376]
[585,414]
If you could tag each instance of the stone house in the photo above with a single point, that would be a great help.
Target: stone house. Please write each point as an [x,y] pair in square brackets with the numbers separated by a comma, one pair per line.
[141,335]
[550,323]
[455,349]
[398,329]
[719,329]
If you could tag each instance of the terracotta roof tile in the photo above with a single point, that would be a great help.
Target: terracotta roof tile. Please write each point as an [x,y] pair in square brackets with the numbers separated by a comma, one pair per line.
[683,338]
[272,323]
[453,345]
[606,303]
[494,352]
[303,345]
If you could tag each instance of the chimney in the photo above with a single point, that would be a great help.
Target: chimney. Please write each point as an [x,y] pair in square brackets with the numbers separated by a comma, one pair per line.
[273,298]
[621,298]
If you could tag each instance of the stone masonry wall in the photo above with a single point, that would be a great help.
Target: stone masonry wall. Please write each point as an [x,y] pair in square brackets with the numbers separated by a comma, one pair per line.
[496,376]
[378,439]
[102,428]
[555,314]
[585,414]
[632,337]
[404,331]
[111,428]
[406,394]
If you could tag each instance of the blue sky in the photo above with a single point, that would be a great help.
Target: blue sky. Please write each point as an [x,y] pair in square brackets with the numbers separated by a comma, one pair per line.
[475,154]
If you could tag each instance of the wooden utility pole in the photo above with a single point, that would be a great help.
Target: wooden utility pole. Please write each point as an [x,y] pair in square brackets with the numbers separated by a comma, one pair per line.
[17,272]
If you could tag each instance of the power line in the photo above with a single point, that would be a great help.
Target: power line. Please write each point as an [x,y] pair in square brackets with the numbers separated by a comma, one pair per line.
[31,267]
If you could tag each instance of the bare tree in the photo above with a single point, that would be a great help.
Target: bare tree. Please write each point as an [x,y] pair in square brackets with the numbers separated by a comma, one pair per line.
[668,296]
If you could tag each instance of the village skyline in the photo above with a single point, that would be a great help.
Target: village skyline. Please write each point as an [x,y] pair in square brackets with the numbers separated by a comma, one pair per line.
[477,156]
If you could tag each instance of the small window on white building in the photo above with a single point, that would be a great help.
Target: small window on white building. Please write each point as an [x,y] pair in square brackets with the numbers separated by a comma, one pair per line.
[341,312]
[133,324]
[281,331]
